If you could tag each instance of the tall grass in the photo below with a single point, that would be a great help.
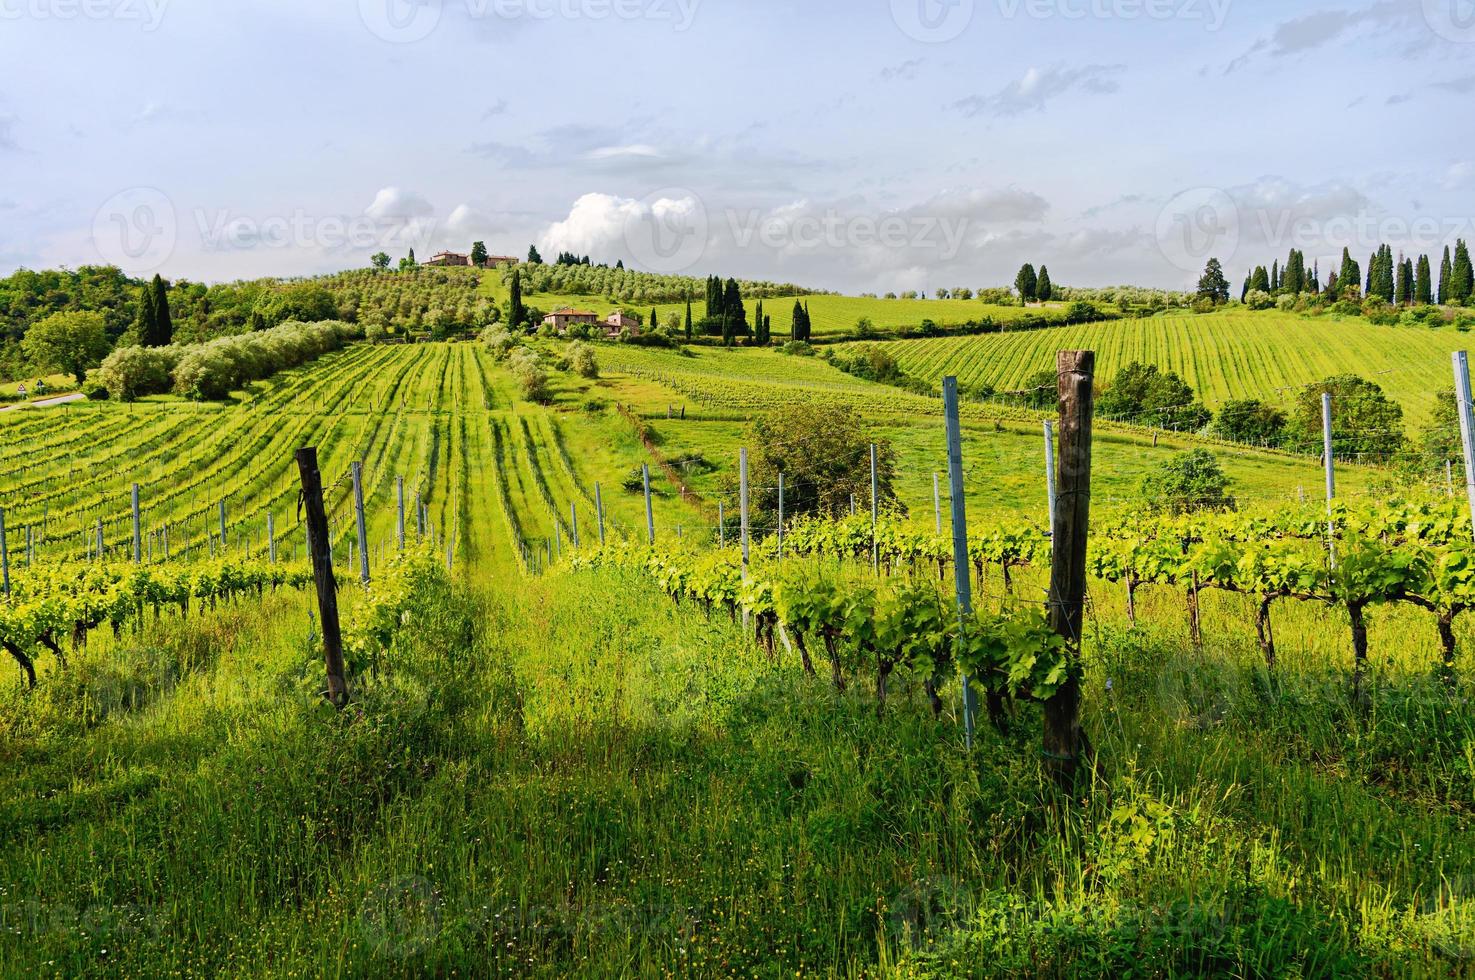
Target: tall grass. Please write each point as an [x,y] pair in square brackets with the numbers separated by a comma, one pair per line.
[576,777]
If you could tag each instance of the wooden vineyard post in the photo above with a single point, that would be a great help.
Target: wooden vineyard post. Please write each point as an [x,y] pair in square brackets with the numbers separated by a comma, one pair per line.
[4,555]
[875,516]
[1467,424]
[419,517]
[1331,476]
[358,515]
[99,540]
[224,546]
[137,530]
[1065,742]
[599,510]
[399,517]
[650,517]
[1050,469]
[962,582]
[721,526]
[322,573]
[743,516]
[573,516]
[271,537]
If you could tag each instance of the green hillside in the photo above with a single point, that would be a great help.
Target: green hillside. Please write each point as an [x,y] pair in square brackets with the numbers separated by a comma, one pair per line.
[1225,356]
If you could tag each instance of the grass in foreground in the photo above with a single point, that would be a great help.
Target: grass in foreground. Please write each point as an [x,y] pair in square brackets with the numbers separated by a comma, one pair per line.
[573,775]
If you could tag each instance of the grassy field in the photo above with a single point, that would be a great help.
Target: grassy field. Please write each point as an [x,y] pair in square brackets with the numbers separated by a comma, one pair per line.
[1224,356]
[565,774]
[831,316]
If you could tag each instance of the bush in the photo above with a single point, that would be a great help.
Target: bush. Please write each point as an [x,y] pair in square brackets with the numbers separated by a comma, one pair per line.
[532,379]
[581,360]
[797,348]
[499,341]
[211,371]
[1187,482]
[1259,299]
[1250,421]
[130,373]
[1082,312]
[95,391]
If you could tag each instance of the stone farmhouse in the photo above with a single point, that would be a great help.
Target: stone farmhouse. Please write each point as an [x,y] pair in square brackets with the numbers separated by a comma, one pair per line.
[444,259]
[564,319]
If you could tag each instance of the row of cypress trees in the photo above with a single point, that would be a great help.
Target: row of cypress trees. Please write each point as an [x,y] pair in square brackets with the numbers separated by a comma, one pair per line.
[1405,280]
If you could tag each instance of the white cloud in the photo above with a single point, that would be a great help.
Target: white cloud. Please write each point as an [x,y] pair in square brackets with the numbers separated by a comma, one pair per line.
[1037,87]
[616,152]
[1458,175]
[595,226]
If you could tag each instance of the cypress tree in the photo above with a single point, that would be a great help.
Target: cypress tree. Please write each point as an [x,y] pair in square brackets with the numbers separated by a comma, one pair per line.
[1044,289]
[1387,278]
[796,325]
[1026,283]
[653,321]
[1350,274]
[732,307]
[1424,284]
[1404,287]
[145,322]
[1462,274]
[688,318]
[759,337]
[1445,273]
[516,312]
[1260,280]
[1274,278]
[1245,291]
[163,322]
[1294,280]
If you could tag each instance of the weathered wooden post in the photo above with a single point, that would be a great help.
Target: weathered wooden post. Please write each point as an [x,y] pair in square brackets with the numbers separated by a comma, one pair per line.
[961,568]
[137,530]
[599,509]
[224,547]
[4,555]
[1065,742]
[399,518]
[271,536]
[573,516]
[322,572]
[650,517]
[99,539]
[358,513]
[1329,458]
[875,516]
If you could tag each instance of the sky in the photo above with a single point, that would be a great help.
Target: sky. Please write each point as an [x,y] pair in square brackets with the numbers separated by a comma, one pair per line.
[854,145]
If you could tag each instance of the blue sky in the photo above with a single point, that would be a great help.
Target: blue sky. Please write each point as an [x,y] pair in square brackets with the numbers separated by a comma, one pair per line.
[862,145]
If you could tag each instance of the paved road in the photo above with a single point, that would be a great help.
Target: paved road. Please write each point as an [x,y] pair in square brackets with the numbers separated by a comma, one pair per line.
[45,402]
